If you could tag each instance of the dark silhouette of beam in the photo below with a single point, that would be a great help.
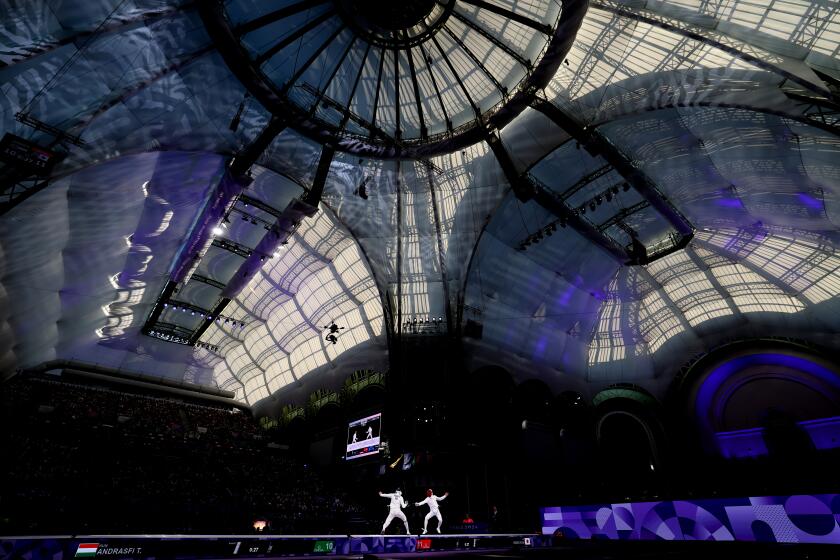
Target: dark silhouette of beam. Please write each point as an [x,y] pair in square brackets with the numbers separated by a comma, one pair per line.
[492,38]
[329,80]
[349,102]
[513,16]
[276,15]
[293,36]
[457,77]
[525,188]
[676,28]
[305,66]
[417,99]
[596,143]
[208,281]
[502,89]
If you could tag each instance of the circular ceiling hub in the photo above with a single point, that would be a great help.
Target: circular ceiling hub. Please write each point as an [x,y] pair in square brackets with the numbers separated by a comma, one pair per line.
[395,24]
[395,79]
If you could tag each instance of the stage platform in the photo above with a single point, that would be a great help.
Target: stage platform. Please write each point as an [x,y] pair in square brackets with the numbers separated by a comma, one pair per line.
[212,547]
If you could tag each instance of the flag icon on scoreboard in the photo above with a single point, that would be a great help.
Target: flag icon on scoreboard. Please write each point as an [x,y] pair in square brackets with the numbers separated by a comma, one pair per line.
[86,550]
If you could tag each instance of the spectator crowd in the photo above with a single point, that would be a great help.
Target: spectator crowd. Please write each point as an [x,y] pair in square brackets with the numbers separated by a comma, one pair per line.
[82,459]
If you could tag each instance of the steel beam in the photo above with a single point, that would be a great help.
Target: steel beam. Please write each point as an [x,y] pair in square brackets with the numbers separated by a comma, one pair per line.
[305,66]
[492,38]
[526,188]
[208,281]
[502,89]
[596,143]
[293,36]
[276,15]
[760,57]
[543,28]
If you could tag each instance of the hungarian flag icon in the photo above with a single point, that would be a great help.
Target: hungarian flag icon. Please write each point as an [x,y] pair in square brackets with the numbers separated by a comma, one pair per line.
[87,550]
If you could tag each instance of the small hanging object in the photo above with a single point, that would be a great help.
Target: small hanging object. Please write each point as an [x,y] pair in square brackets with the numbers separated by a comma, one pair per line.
[361,191]
[237,118]
[333,329]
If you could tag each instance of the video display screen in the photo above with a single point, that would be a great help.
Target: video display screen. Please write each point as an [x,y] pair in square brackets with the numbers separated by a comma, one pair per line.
[363,436]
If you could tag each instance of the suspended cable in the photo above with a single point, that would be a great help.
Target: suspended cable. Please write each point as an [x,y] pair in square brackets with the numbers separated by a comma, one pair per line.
[69,62]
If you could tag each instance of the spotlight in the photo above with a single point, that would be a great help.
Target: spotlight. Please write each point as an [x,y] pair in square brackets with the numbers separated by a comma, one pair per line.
[218,231]
[166,305]
[582,209]
[598,200]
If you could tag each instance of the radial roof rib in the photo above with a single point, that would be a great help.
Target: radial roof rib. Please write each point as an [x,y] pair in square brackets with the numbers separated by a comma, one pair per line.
[596,143]
[477,62]
[795,70]
[525,188]
[293,36]
[276,15]
[492,38]
[305,66]
[504,12]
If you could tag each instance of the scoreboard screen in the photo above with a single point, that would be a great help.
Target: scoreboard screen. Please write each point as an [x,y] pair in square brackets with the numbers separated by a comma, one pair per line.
[363,436]
[27,156]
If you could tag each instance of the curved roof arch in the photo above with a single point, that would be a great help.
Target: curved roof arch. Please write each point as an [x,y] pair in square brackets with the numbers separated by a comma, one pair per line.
[727,112]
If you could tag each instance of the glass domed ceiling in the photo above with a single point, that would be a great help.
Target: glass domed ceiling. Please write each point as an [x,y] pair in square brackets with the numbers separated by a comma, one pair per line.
[409,78]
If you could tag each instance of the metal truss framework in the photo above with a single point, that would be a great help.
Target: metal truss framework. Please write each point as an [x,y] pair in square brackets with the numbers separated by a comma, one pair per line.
[597,144]
[526,187]
[224,196]
[708,34]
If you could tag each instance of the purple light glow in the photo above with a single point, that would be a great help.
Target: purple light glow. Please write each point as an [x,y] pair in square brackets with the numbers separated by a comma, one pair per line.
[809,201]
[824,433]
[714,381]
[797,519]
[730,202]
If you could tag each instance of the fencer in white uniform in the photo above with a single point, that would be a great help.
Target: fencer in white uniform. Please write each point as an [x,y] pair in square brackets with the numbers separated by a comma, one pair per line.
[397,503]
[434,510]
